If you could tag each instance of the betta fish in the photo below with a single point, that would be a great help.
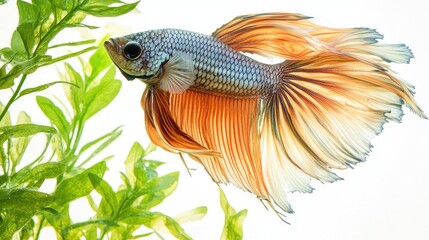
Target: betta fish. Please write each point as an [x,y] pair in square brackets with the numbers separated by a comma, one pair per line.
[267,128]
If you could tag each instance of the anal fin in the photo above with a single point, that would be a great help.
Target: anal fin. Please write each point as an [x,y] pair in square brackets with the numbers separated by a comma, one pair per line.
[227,125]
[163,130]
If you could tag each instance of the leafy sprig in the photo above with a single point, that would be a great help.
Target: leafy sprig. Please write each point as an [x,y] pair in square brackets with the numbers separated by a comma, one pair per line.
[39,23]
[64,157]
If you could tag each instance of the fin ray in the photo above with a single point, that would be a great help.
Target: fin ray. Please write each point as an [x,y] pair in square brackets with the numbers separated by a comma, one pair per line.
[179,73]
[323,116]
[335,92]
[227,125]
[163,130]
[295,37]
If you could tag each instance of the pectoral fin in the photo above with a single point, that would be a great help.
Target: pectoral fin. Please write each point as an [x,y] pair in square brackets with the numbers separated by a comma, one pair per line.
[178,73]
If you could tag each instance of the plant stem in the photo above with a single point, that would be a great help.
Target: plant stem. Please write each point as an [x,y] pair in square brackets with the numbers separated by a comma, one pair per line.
[80,126]
[14,96]
[104,232]
[53,30]
[39,229]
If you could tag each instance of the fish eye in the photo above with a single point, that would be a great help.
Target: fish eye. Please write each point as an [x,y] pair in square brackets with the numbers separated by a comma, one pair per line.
[132,50]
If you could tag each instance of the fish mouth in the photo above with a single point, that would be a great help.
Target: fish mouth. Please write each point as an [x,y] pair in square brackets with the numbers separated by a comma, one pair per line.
[111,45]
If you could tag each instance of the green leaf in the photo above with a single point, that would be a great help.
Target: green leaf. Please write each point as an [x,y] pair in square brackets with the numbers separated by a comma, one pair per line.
[4,66]
[19,145]
[26,31]
[109,203]
[167,182]
[61,19]
[40,88]
[91,232]
[73,44]
[105,142]
[79,185]
[6,121]
[39,172]
[104,8]
[23,130]
[64,4]
[154,164]
[233,226]
[6,55]
[155,191]
[23,118]
[227,209]
[14,221]
[140,172]
[67,56]
[58,146]
[25,67]
[3,178]
[74,94]
[136,152]
[83,225]
[7,80]
[24,199]
[60,220]
[156,221]
[45,9]
[150,148]
[55,115]
[192,215]
[27,231]
[151,200]
[28,13]
[76,16]
[99,61]
[17,44]
[102,94]
[74,25]
[107,138]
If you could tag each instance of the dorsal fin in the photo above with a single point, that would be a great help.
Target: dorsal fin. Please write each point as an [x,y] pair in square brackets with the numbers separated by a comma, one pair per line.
[295,37]
[270,34]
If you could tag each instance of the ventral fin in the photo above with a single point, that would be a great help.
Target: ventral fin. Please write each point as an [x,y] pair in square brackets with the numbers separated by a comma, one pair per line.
[162,127]
[178,73]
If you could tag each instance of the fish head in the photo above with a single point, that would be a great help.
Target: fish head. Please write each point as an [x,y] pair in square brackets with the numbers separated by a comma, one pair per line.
[137,56]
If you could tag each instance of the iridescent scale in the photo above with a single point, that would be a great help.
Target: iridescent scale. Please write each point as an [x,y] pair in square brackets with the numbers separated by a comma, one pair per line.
[220,69]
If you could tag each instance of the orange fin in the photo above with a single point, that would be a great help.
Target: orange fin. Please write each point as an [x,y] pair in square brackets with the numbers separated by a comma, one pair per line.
[322,117]
[270,34]
[294,36]
[163,130]
[227,125]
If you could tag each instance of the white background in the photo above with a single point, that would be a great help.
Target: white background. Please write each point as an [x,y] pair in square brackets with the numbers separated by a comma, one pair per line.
[386,197]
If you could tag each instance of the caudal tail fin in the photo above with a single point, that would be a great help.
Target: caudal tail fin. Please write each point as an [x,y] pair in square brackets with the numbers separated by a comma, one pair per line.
[323,116]
[336,92]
